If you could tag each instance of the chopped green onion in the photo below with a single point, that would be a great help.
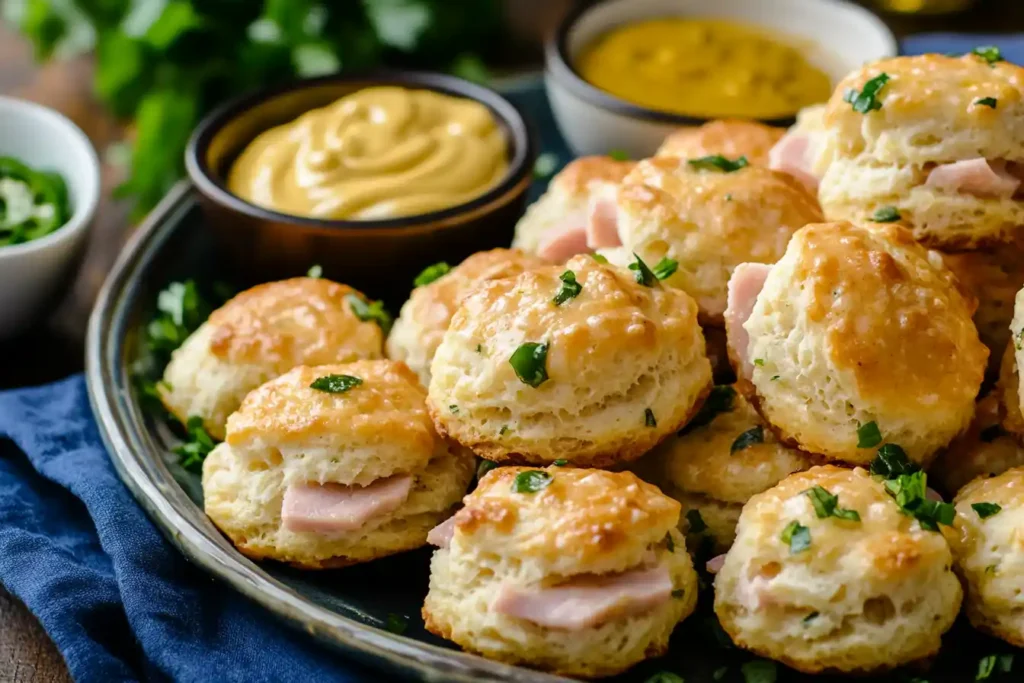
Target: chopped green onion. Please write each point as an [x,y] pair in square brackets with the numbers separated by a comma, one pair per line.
[797,536]
[717,162]
[990,102]
[372,311]
[335,384]
[990,53]
[431,273]
[986,510]
[569,289]
[665,268]
[868,435]
[867,99]
[649,420]
[644,275]
[530,363]
[531,481]
[752,436]
[886,214]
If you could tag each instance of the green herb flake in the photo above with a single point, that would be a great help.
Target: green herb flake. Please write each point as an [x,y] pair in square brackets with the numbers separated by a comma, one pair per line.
[396,624]
[886,214]
[531,481]
[868,435]
[986,510]
[370,311]
[910,492]
[775,378]
[479,348]
[752,436]
[431,273]
[649,420]
[797,536]
[696,522]
[759,362]
[196,447]
[990,53]
[503,430]
[989,102]
[561,462]
[665,268]
[453,409]
[569,289]
[483,468]
[991,569]
[810,617]
[665,677]
[335,384]
[720,672]
[867,99]
[891,462]
[644,275]
[180,311]
[545,165]
[759,671]
[599,258]
[993,664]
[717,162]
[720,400]
[530,363]
[315,271]
[827,505]
[618,154]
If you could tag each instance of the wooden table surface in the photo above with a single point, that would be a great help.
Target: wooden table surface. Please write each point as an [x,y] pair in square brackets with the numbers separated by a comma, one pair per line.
[55,349]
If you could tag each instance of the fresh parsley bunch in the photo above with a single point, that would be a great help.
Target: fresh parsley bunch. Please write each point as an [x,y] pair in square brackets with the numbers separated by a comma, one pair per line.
[165,63]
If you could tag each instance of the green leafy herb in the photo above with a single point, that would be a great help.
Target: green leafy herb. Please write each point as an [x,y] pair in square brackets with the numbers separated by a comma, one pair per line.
[867,99]
[644,275]
[315,271]
[827,505]
[797,536]
[649,420]
[886,214]
[503,430]
[530,363]
[868,435]
[453,409]
[759,671]
[696,522]
[993,664]
[479,348]
[335,384]
[32,203]
[759,362]
[396,624]
[986,510]
[990,102]
[665,268]
[776,378]
[720,672]
[754,435]
[531,481]
[665,677]
[891,462]
[618,154]
[431,273]
[569,289]
[545,165]
[372,311]
[720,400]
[990,53]
[483,468]
[561,462]
[910,492]
[717,162]
[810,617]
[181,310]
[196,447]
[599,258]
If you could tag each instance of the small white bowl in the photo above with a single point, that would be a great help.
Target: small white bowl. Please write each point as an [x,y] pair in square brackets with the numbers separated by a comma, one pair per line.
[32,273]
[839,36]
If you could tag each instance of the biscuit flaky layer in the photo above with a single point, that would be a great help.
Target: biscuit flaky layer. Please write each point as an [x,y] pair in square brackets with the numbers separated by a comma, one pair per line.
[863,596]
[625,367]
[731,138]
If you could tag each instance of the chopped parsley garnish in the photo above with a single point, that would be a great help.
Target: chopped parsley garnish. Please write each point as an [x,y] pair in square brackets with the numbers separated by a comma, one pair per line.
[315,271]
[720,400]
[198,445]
[454,409]
[530,363]
[531,481]
[649,420]
[181,310]
[754,435]
[669,543]
[716,162]
[618,154]
[910,492]
[867,99]
[759,671]
[776,377]
[503,430]
[644,275]
[545,165]
[886,214]
[868,435]
[759,362]
[810,617]
[372,311]
[990,53]
[696,522]
[335,384]
[431,273]
[665,268]
[678,593]
[797,536]
[483,468]
[561,462]
[993,664]
[990,102]
[986,510]
[891,462]
[479,348]
[570,289]
[827,505]
[599,258]
[665,677]
[396,624]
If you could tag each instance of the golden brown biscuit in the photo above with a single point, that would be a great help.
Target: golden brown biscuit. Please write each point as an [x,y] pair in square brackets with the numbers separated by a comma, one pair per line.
[425,316]
[258,335]
[579,572]
[985,449]
[597,379]
[835,594]
[729,137]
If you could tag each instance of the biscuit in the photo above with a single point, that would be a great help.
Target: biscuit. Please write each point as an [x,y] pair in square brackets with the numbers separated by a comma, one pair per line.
[835,594]
[985,449]
[529,542]
[597,379]
[729,137]
[258,335]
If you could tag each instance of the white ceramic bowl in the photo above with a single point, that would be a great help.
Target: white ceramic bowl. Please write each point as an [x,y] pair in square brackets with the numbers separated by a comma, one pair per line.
[839,36]
[31,274]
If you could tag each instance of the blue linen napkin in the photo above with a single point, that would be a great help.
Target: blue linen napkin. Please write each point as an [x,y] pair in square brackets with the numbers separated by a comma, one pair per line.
[118,600]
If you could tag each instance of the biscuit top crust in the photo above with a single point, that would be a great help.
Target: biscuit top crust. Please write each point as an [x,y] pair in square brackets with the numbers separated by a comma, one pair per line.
[300,321]
[1006,490]
[577,176]
[729,137]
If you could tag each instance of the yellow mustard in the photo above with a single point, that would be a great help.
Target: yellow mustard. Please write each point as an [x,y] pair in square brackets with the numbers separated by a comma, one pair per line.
[704,68]
[381,152]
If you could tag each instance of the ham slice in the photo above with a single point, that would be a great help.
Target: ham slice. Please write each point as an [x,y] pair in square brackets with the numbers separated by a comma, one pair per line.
[978,177]
[744,286]
[603,225]
[792,155]
[714,565]
[588,601]
[327,508]
[561,245]
[441,535]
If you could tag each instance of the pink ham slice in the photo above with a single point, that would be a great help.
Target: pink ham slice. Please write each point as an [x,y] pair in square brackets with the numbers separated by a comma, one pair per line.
[326,508]
[561,245]
[441,535]
[978,177]
[587,601]
[714,565]
[603,226]
[744,286]
[792,155]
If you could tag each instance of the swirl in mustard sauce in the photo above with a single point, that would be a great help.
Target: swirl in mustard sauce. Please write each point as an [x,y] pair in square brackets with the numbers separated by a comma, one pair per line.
[377,153]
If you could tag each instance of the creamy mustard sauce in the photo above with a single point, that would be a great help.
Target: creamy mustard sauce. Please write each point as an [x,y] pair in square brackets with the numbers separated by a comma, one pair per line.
[377,153]
[705,68]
